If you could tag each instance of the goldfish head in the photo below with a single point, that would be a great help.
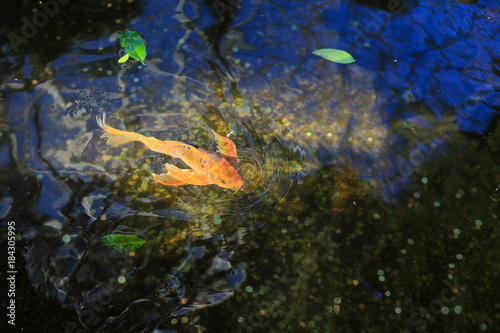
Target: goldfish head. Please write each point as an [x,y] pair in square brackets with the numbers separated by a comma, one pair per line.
[225,175]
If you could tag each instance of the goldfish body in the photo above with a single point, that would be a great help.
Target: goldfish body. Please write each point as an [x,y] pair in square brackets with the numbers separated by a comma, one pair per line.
[206,167]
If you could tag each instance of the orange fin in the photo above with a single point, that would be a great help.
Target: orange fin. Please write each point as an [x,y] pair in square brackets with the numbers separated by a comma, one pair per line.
[188,176]
[168,179]
[116,137]
[226,145]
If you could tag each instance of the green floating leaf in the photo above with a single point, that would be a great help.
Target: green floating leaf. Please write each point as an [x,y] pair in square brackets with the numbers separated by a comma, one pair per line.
[407,125]
[134,45]
[334,55]
[124,58]
[123,243]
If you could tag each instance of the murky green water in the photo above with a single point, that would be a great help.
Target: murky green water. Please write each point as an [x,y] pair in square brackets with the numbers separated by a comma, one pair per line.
[371,197]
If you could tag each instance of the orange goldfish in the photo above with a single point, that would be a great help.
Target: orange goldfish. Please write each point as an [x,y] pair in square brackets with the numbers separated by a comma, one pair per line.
[206,167]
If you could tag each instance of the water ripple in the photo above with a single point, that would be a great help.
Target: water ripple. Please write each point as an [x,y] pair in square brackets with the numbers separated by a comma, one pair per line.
[267,163]
[269,170]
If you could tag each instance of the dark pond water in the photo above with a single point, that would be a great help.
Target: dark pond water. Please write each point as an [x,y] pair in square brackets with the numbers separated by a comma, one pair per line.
[372,189]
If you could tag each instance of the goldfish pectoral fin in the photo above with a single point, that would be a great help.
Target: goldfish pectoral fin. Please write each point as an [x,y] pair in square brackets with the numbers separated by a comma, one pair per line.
[168,179]
[189,176]
[226,145]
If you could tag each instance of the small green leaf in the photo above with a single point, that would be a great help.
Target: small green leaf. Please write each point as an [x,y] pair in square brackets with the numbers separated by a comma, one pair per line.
[123,243]
[334,55]
[134,45]
[124,58]
[407,125]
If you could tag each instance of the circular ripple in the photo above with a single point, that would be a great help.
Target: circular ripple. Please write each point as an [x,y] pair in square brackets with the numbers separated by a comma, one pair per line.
[269,167]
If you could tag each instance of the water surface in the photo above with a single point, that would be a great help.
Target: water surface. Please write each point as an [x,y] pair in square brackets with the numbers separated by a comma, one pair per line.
[371,197]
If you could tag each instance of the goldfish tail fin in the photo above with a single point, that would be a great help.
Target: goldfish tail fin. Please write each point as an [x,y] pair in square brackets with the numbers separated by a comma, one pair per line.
[116,140]
[116,137]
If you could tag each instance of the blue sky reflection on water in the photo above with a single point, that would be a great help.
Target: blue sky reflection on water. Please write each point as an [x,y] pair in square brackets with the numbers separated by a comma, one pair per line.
[367,184]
